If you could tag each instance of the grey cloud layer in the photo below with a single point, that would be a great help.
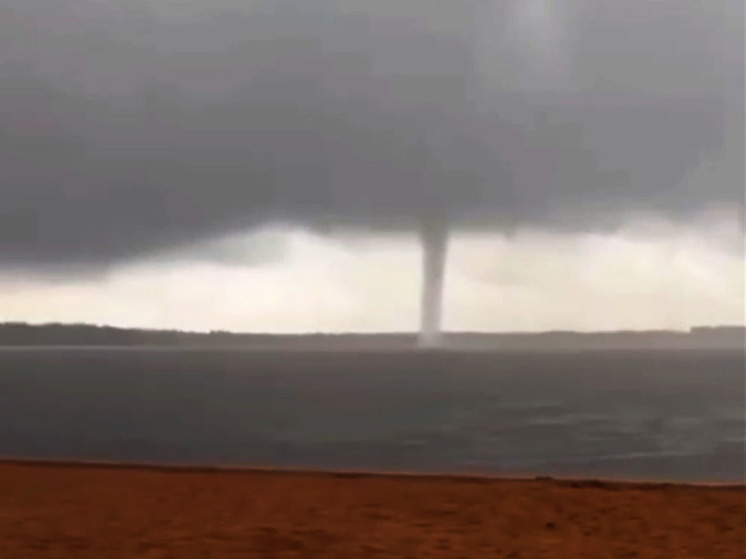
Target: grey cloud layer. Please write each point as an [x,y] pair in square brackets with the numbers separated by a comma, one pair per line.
[125,129]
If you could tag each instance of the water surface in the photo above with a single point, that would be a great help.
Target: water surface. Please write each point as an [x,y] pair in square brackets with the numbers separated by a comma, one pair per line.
[644,415]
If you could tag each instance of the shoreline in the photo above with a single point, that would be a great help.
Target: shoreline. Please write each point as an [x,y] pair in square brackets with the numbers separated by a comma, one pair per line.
[455,476]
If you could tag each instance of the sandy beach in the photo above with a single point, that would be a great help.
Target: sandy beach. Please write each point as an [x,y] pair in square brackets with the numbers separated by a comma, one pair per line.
[61,511]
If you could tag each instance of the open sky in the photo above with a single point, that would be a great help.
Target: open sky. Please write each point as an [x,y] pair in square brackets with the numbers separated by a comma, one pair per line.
[586,154]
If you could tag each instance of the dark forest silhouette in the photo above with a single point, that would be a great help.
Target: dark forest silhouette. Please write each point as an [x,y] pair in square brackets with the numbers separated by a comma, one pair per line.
[23,334]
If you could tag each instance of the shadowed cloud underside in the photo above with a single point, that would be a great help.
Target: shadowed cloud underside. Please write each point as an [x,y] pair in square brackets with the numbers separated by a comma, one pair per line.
[127,128]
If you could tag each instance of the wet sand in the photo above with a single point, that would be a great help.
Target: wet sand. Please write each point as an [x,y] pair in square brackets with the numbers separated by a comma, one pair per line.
[63,511]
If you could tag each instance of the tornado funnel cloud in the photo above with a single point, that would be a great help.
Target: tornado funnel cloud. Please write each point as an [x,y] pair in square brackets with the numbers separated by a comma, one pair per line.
[434,238]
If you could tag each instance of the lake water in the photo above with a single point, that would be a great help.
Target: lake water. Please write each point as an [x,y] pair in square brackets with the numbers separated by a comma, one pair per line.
[643,415]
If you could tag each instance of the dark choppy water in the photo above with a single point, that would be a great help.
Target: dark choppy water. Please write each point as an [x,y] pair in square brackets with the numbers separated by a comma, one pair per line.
[642,415]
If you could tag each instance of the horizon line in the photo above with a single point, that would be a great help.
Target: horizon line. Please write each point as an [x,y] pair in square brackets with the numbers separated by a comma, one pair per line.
[691,330]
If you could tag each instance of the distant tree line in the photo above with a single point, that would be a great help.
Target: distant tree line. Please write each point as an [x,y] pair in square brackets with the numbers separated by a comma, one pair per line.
[23,334]
[58,334]
[16,333]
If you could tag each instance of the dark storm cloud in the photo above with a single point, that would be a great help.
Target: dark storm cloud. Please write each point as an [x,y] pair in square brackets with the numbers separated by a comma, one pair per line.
[129,127]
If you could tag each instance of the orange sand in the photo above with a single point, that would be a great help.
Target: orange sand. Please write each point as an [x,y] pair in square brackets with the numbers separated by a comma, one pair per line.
[99,512]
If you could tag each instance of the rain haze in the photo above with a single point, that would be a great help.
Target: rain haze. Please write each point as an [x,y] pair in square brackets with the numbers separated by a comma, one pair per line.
[273,165]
